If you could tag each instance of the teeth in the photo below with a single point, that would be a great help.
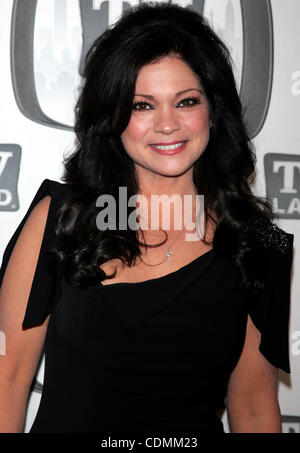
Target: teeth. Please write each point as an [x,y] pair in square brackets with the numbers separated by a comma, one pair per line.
[177,145]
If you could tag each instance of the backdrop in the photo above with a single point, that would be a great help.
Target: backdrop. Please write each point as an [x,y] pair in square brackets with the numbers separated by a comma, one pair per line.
[41,47]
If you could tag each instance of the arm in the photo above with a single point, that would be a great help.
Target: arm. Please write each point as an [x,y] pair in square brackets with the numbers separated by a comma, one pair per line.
[23,347]
[252,403]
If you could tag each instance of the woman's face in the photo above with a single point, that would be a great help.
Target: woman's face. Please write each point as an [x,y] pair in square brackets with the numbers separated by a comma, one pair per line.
[169,126]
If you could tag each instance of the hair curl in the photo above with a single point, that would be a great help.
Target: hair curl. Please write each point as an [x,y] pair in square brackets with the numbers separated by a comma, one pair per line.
[100,164]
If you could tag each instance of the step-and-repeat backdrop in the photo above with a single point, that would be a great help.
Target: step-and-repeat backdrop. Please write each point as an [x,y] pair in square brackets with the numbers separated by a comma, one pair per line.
[42,43]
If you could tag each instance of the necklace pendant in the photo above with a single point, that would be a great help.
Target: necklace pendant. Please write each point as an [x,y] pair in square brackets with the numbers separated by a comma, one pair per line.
[169,253]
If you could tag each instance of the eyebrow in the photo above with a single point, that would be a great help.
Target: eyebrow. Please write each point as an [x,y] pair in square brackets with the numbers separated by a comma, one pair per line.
[176,95]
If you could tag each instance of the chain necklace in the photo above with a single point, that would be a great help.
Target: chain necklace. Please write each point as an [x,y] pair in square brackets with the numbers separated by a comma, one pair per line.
[169,251]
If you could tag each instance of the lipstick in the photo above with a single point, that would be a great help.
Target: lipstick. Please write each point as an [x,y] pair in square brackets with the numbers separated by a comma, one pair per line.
[169,148]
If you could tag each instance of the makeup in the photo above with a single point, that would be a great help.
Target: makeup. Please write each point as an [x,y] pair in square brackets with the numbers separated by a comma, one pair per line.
[169,149]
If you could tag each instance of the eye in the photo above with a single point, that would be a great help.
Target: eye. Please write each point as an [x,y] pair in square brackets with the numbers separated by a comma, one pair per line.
[188,102]
[141,106]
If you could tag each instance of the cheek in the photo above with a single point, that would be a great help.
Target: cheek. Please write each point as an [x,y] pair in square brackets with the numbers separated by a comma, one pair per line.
[135,131]
[199,123]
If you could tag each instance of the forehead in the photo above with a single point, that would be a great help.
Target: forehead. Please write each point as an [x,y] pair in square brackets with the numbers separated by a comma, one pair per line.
[168,73]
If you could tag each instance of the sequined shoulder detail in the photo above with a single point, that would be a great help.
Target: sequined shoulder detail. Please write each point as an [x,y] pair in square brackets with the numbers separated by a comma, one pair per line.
[268,235]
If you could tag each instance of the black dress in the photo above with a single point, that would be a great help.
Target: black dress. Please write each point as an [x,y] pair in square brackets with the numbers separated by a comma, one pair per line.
[153,356]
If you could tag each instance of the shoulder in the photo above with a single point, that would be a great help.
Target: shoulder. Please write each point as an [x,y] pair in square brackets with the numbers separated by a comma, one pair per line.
[37,218]
[266,235]
[48,199]
[55,189]
[22,252]
[38,221]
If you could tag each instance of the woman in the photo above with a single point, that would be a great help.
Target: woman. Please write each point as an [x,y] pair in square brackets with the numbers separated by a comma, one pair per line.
[145,331]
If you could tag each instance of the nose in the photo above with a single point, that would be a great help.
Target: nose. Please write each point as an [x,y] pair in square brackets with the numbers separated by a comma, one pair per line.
[166,121]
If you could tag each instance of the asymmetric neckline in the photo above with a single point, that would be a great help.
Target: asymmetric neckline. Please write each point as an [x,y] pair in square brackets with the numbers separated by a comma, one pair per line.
[163,277]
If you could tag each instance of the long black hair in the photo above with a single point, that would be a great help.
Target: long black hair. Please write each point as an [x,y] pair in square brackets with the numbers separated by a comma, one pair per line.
[100,164]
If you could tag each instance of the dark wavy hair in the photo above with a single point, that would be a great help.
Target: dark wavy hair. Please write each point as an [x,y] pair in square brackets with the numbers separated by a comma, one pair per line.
[100,164]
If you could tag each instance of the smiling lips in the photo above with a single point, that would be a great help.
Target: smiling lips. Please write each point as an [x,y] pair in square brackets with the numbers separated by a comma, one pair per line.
[169,148]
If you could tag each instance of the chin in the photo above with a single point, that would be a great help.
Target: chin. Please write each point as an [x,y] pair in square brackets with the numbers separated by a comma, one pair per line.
[174,172]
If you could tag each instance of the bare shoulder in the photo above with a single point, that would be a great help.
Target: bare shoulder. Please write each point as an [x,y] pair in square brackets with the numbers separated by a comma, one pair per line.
[26,250]
[27,246]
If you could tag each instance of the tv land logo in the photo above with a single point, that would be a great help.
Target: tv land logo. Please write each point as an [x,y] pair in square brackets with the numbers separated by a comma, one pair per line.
[10,158]
[282,175]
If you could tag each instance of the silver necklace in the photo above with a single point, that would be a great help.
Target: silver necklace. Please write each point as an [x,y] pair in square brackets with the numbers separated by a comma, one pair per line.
[169,251]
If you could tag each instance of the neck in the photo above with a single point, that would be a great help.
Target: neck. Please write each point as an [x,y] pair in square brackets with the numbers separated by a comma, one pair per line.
[170,206]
